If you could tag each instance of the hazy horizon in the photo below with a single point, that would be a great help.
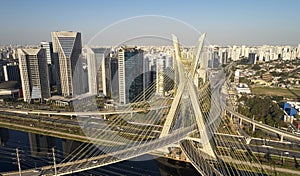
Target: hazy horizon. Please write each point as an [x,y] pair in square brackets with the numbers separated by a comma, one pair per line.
[251,23]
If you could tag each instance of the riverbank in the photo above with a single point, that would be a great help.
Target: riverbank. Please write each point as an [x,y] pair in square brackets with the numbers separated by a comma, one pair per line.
[59,132]
[52,133]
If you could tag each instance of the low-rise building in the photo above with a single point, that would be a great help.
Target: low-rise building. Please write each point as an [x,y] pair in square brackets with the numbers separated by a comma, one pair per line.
[243,88]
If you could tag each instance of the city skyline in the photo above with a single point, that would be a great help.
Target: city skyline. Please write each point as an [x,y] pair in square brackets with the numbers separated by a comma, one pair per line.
[226,23]
[202,105]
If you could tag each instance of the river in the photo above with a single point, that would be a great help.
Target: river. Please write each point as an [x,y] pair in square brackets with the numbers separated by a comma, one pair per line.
[36,150]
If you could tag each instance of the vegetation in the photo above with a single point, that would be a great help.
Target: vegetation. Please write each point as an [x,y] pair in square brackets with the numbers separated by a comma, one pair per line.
[244,80]
[277,98]
[262,109]
[256,67]
[297,117]
[272,91]
[279,74]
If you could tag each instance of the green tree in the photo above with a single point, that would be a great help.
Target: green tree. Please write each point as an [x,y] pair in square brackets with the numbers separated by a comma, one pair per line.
[263,109]
[256,67]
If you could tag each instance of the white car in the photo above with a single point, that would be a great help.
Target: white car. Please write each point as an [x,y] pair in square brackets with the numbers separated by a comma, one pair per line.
[286,153]
[37,170]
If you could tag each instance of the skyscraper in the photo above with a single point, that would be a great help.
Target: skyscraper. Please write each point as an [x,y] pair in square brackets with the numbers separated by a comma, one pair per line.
[11,72]
[67,46]
[34,74]
[114,75]
[160,68]
[49,50]
[252,58]
[53,78]
[223,55]
[98,70]
[131,76]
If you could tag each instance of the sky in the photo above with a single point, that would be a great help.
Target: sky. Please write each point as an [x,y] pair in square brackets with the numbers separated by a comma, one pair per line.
[226,22]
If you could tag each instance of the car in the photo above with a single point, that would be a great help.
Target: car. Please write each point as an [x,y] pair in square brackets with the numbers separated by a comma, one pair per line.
[37,170]
[95,161]
[286,153]
[119,128]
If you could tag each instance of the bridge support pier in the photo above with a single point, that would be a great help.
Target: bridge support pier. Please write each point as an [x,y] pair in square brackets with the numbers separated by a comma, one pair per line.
[224,113]
[253,127]
[231,116]
[248,140]
[281,138]
[241,122]
[104,117]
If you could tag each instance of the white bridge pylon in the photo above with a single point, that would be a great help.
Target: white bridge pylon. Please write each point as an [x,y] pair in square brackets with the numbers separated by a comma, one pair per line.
[186,84]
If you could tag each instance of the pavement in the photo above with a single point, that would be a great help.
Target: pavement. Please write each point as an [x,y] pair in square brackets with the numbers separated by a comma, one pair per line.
[266,167]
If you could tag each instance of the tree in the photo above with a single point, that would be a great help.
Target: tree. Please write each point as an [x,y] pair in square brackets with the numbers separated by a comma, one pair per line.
[277,98]
[256,67]
[263,109]
[297,117]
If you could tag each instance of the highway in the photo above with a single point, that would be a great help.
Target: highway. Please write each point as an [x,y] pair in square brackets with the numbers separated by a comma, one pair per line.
[94,124]
[102,160]
[44,118]
[262,125]
[265,149]
[277,144]
[74,114]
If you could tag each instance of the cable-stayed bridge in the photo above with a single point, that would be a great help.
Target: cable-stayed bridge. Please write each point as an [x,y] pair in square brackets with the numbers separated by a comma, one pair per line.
[191,117]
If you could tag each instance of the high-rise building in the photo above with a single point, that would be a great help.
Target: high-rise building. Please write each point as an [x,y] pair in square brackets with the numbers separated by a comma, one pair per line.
[2,78]
[236,51]
[114,76]
[56,72]
[224,57]
[146,73]
[160,71]
[99,71]
[49,50]
[11,72]
[215,58]
[34,74]
[286,55]
[50,61]
[243,51]
[252,58]
[131,73]
[68,47]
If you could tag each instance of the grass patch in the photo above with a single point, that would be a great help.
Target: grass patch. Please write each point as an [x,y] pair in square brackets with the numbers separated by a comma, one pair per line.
[275,91]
